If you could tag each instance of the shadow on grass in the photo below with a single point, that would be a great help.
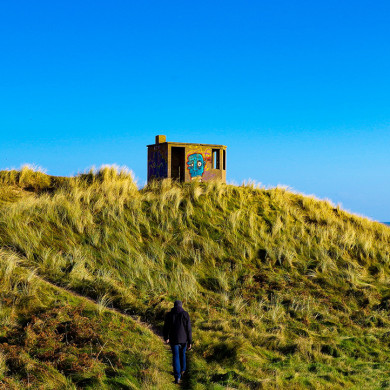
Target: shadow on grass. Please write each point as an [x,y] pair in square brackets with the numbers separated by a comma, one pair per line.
[188,381]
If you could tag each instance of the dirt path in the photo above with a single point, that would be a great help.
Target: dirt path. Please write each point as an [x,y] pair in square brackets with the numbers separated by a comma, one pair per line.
[122,313]
[153,329]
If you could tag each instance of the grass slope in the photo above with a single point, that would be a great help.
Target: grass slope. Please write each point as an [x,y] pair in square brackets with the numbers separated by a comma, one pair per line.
[285,291]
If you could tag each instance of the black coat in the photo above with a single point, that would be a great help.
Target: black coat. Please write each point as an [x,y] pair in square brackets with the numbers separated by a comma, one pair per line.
[177,326]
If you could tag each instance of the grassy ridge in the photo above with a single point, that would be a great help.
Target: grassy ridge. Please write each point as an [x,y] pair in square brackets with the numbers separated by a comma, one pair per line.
[285,291]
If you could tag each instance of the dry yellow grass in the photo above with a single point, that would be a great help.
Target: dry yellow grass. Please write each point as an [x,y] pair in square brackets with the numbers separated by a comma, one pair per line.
[285,290]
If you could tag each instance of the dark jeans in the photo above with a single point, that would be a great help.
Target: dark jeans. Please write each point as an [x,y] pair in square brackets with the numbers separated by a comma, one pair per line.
[178,358]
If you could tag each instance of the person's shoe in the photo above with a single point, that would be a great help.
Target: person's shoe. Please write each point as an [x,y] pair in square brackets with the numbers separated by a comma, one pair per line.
[182,373]
[177,380]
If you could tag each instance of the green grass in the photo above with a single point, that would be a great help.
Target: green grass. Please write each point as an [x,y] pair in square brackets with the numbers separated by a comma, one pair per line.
[284,290]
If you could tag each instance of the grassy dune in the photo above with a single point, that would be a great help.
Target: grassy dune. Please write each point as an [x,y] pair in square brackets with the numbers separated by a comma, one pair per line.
[284,290]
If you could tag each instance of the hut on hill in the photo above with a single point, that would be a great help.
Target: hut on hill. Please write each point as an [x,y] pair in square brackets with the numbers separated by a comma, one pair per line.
[185,162]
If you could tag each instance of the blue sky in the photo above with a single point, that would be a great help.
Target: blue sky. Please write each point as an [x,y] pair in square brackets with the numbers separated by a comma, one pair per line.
[298,91]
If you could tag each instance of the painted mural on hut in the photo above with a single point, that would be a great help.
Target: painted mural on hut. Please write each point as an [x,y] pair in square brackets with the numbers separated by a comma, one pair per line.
[199,162]
[195,165]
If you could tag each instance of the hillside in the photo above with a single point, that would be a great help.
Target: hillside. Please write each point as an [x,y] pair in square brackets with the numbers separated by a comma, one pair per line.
[284,290]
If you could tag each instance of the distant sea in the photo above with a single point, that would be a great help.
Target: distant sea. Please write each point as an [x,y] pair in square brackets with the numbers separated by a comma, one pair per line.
[386,223]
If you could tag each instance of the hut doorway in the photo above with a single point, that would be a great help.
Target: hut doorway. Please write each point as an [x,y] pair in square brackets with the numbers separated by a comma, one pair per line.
[178,163]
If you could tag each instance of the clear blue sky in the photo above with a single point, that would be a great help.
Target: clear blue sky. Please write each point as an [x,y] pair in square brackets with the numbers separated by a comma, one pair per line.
[299,91]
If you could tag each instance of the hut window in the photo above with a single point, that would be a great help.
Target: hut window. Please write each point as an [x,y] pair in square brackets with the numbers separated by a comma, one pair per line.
[216,164]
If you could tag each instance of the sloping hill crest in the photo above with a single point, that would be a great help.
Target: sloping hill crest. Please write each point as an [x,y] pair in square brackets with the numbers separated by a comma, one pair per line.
[285,291]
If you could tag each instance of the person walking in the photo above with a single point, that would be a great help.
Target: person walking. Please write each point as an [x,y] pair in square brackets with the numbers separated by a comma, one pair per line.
[178,333]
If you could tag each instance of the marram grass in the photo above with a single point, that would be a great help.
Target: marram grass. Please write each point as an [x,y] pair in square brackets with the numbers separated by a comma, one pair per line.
[285,291]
